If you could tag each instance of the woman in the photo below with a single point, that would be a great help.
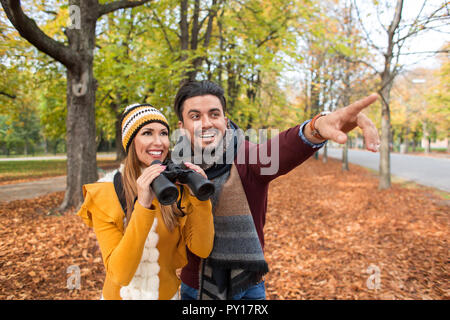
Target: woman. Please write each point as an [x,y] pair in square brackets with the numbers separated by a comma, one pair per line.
[144,243]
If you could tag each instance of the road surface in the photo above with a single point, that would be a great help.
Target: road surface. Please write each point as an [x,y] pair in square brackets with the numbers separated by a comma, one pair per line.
[428,171]
[433,172]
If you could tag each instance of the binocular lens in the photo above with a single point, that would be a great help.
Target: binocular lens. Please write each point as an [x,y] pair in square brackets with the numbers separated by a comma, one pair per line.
[205,191]
[168,196]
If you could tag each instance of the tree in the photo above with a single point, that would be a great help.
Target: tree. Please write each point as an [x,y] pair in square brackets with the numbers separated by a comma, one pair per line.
[77,56]
[438,98]
[397,32]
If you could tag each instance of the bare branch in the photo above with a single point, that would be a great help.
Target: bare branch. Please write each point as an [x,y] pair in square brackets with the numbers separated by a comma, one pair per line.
[212,14]
[425,52]
[28,29]
[163,28]
[120,4]
[368,39]
[420,25]
[11,96]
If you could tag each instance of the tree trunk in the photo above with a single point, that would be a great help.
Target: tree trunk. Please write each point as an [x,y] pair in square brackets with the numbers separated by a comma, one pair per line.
[120,152]
[325,154]
[387,77]
[345,156]
[385,155]
[406,140]
[80,121]
[426,136]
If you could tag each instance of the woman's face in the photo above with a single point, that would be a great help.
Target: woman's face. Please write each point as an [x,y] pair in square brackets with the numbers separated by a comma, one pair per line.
[152,143]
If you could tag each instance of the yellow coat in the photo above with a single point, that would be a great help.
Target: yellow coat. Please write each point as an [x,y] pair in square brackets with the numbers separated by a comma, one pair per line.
[122,252]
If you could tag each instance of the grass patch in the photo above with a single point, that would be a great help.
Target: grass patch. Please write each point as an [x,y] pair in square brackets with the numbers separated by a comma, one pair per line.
[32,169]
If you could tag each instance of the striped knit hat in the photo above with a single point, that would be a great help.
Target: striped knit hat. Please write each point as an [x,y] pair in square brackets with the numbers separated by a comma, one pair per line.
[136,116]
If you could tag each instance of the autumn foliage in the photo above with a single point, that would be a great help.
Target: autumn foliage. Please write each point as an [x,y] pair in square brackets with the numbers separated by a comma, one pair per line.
[324,230]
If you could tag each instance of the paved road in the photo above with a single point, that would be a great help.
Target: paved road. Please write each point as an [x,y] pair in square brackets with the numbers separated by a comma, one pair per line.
[434,172]
[428,171]
[58,157]
[37,188]
[32,189]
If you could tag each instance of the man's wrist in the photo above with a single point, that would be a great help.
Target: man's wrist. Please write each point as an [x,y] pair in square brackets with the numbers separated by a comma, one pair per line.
[312,143]
[308,133]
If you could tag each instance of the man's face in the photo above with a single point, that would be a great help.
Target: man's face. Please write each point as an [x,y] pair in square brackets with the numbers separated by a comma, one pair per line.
[205,121]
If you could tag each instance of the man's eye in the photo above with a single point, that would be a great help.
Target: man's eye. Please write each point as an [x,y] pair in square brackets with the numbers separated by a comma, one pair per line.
[194,117]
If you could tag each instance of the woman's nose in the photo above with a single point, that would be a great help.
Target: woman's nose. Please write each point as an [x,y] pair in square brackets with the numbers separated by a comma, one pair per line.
[157,141]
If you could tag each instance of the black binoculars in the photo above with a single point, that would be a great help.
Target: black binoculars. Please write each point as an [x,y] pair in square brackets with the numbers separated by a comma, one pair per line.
[167,193]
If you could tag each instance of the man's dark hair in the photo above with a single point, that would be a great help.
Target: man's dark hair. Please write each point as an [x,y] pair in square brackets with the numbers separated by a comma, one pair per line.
[198,88]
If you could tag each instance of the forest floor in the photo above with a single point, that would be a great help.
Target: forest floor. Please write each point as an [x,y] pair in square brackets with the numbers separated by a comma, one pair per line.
[328,235]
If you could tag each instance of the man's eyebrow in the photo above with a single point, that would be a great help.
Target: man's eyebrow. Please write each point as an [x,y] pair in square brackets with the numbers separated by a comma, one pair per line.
[198,111]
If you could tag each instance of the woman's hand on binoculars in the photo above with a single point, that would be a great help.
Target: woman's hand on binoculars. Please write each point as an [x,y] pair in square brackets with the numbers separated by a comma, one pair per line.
[196,169]
[145,194]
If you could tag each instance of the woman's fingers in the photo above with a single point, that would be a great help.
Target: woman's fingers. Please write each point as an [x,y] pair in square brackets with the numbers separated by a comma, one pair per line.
[149,174]
[196,169]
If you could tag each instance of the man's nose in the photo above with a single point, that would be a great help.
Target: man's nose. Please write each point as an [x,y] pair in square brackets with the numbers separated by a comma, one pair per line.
[206,122]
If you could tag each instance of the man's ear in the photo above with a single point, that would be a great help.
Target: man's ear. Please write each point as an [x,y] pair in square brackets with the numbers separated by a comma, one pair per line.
[180,124]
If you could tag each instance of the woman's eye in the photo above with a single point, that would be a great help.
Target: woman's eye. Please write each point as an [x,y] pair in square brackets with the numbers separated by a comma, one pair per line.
[147,133]
[164,133]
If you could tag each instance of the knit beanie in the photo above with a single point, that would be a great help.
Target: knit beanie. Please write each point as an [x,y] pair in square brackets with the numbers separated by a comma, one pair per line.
[136,116]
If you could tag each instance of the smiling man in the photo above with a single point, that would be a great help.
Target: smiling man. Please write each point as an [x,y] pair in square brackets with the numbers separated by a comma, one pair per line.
[236,265]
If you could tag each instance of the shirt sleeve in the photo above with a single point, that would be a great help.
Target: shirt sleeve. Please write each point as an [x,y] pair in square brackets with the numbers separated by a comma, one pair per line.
[275,157]
[122,252]
[198,231]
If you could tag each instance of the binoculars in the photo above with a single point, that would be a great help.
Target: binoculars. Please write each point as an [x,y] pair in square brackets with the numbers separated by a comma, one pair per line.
[167,193]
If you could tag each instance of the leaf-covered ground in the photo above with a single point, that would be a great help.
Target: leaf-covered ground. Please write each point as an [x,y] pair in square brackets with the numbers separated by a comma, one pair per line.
[329,235]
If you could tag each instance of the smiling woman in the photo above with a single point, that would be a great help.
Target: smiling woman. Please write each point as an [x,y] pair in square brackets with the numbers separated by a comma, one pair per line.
[142,242]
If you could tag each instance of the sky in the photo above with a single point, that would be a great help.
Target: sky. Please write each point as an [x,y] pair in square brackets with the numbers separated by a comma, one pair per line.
[425,41]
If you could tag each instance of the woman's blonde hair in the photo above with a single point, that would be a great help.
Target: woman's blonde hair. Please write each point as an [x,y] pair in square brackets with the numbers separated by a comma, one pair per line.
[131,172]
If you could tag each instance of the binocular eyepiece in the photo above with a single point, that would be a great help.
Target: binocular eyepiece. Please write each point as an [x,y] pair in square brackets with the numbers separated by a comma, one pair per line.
[167,193]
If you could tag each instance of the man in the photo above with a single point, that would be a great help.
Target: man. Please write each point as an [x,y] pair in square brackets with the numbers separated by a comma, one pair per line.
[236,266]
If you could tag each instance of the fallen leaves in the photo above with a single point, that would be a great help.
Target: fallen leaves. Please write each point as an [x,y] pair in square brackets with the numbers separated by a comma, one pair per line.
[341,225]
[324,228]
[37,249]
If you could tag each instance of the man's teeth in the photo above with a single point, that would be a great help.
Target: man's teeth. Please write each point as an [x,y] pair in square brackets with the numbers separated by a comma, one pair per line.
[206,136]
